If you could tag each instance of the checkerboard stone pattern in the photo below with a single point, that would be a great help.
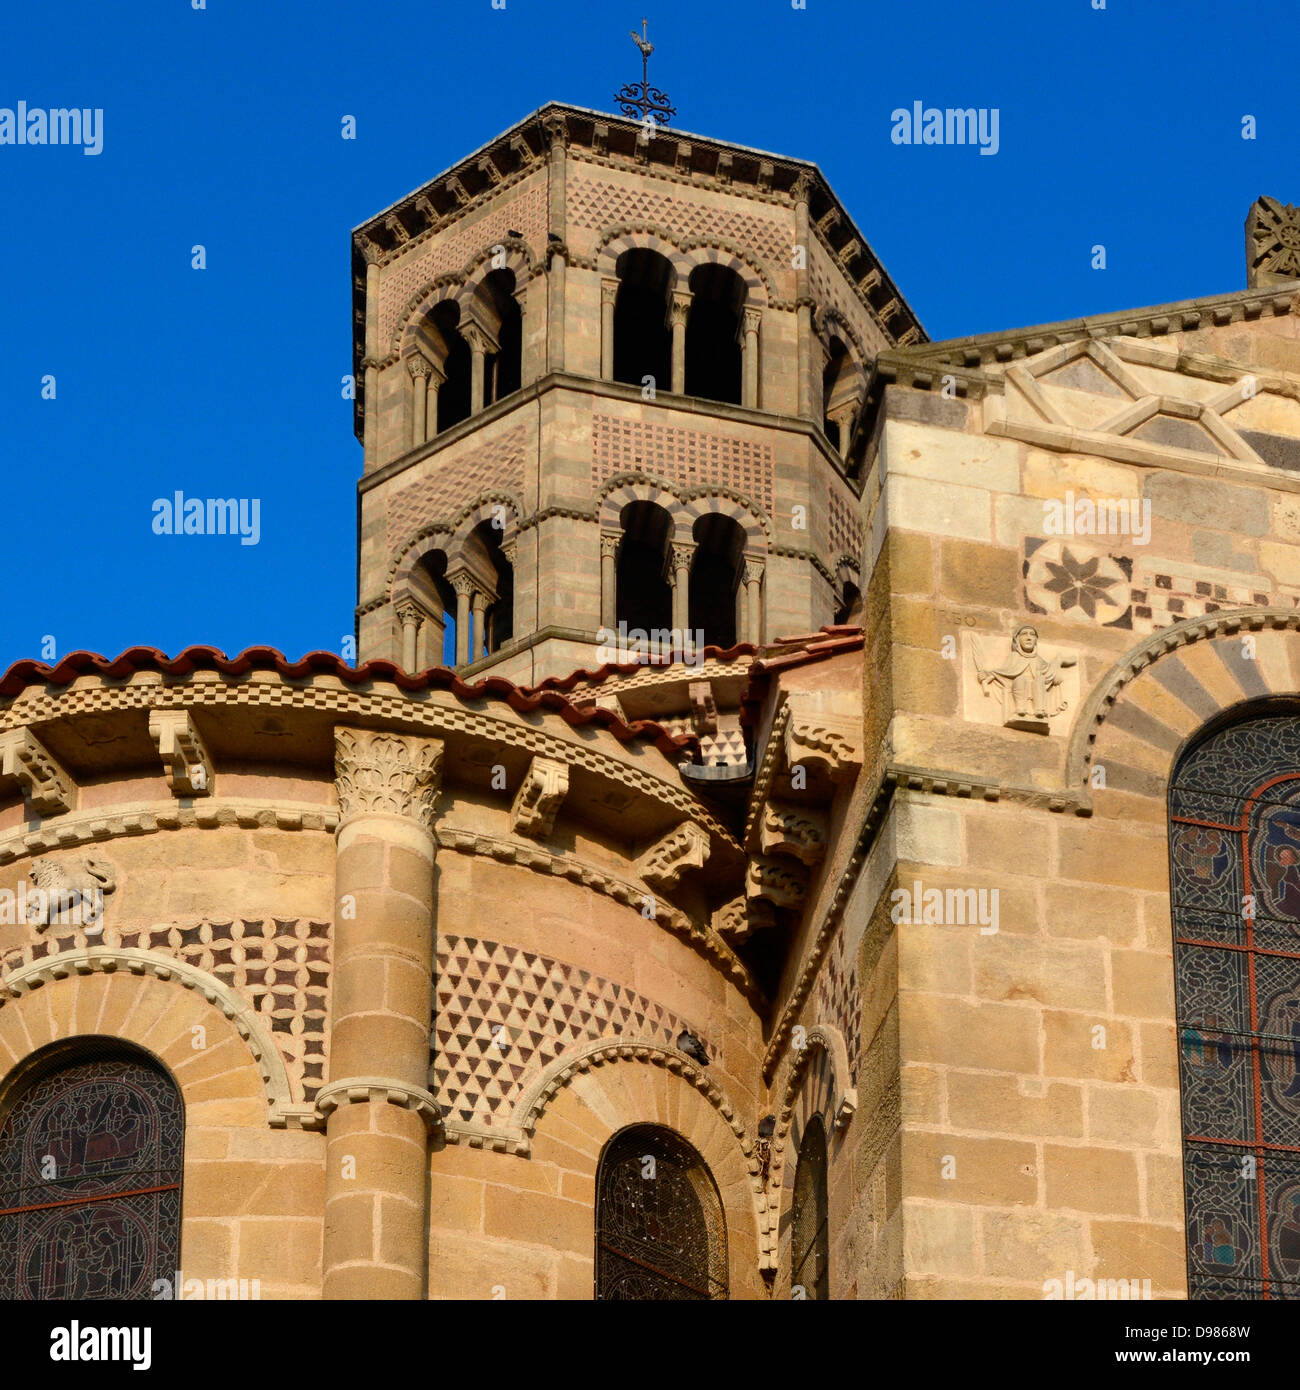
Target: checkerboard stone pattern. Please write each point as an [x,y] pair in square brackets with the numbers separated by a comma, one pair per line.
[282,966]
[503,1014]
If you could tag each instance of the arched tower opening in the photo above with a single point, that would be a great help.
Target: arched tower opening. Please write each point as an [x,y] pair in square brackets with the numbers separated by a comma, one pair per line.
[644,591]
[501,373]
[715,579]
[643,339]
[453,393]
[713,354]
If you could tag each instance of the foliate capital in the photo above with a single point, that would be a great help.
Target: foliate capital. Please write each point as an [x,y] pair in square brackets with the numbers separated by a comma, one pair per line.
[608,546]
[608,291]
[683,554]
[680,308]
[419,366]
[753,318]
[386,774]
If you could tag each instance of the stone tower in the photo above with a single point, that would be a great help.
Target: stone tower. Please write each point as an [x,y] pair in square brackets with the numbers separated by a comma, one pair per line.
[610,375]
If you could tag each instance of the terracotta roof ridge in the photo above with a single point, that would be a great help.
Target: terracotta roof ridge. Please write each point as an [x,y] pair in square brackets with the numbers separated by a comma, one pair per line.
[27,672]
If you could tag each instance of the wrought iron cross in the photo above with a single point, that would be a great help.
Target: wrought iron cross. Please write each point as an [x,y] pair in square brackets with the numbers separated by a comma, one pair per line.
[641,100]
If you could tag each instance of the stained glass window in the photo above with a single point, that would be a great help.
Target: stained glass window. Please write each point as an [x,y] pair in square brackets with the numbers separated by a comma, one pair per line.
[90,1182]
[659,1227]
[810,1238]
[1235,873]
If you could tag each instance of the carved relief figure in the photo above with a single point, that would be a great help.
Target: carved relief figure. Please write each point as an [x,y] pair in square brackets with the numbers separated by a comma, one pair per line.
[1029,683]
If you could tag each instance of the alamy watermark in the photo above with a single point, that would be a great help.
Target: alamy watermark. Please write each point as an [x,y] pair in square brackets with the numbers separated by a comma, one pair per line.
[945,907]
[929,125]
[661,644]
[1108,516]
[73,125]
[1074,1288]
[179,515]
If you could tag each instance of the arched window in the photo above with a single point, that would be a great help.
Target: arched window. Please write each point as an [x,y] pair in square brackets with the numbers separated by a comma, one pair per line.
[501,372]
[713,354]
[643,339]
[842,386]
[659,1227]
[810,1238]
[454,363]
[644,591]
[1234,807]
[496,580]
[90,1178]
[715,578]
[437,601]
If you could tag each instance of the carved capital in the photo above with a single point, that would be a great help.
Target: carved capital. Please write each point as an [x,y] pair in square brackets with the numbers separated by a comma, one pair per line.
[555,131]
[46,784]
[408,612]
[663,864]
[680,307]
[609,546]
[832,742]
[419,366]
[753,570]
[776,881]
[539,797]
[683,553]
[386,774]
[791,829]
[478,337]
[462,583]
[510,551]
[373,254]
[187,764]
[801,189]
[752,319]
[608,291]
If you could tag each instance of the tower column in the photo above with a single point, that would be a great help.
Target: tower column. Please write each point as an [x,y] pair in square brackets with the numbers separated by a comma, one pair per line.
[464,587]
[478,602]
[608,297]
[436,378]
[752,319]
[682,585]
[754,601]
[420,369]
[609,582]
[377,1109]
[410,619]
[844,422]
[480,344]
[678,312]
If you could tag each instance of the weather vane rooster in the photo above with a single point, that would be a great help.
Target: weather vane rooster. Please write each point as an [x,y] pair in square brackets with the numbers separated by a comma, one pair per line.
[646,103]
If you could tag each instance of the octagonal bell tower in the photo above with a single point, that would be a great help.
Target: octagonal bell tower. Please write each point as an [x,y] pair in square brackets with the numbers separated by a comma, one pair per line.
[610,374]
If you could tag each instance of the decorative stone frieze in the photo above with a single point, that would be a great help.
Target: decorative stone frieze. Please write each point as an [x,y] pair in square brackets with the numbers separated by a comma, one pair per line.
[540,795]
[187,764]
[663,864]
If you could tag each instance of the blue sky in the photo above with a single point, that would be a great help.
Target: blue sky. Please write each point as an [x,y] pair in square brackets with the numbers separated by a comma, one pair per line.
[222,126]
